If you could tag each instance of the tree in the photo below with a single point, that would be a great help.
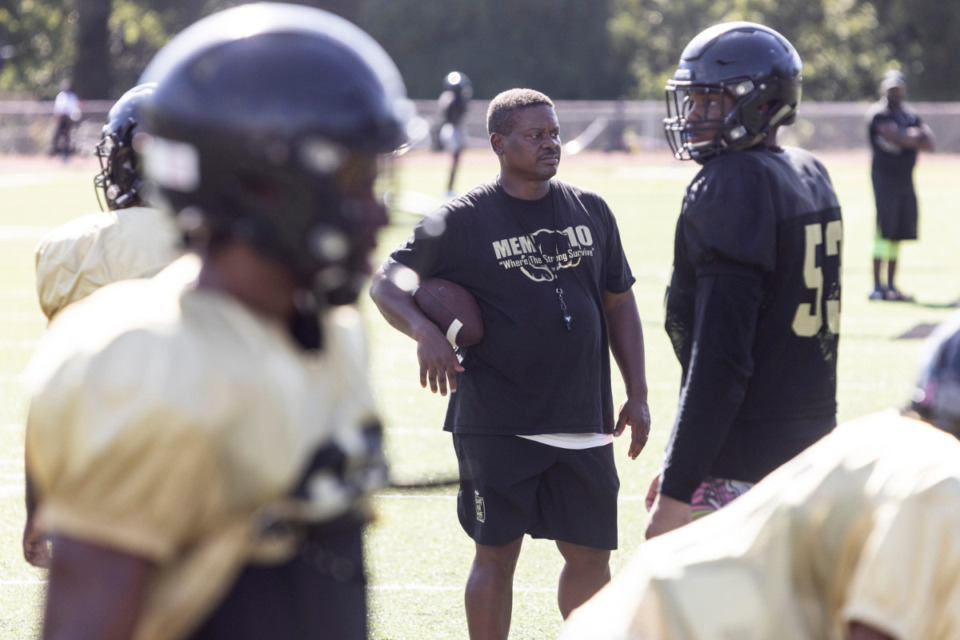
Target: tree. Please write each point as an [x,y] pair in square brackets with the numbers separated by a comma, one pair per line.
[140,28]
[560,47]
[37,40]
[570,49]
[837,39]
[650,34]
[922,38]
[91,71]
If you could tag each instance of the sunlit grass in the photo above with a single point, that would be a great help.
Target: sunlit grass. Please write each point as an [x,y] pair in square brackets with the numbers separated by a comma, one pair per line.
[418,555]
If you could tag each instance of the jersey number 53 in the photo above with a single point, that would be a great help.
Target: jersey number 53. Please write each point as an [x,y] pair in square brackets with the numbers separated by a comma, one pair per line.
[809,318]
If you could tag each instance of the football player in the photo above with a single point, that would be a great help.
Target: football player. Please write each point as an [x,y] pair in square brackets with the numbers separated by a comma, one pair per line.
[753,307]
[452,109]
[856,538]
[204,443]
[130,240]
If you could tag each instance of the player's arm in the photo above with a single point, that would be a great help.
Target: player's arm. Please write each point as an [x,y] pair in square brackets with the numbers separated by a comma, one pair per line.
[438,361]
[94,593]
[626,344]
[728,299]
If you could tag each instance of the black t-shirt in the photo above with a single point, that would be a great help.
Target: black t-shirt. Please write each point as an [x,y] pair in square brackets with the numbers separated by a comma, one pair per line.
[889,159]
[529,374]
[753,313]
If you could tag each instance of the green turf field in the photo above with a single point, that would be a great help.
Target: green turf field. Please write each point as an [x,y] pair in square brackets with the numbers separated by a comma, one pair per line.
[418,555]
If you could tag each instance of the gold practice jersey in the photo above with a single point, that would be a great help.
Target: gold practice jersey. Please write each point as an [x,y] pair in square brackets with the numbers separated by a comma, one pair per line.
[175,424]
[79,257]
[864,525]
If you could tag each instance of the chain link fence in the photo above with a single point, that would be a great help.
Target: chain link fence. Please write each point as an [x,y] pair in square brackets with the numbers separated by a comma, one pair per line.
[27,127]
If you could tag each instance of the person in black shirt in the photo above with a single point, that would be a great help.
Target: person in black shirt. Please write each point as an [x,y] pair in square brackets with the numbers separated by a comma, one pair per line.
[753,308]
[896,135]
[531,408]
[451,110]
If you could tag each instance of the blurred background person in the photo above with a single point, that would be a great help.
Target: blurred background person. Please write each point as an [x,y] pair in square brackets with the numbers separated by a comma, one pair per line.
[896,135]
[451,110]
[66,112]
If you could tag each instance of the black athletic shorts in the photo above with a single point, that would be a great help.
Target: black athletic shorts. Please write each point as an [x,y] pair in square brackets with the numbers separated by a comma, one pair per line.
[510,486]
[319,594]
[897,210]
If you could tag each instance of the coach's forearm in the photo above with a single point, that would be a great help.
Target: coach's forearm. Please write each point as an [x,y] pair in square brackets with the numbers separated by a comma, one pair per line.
[396,305]
[626,341]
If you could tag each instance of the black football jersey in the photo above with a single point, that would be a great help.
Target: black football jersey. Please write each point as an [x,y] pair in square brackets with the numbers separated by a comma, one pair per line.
[753,312]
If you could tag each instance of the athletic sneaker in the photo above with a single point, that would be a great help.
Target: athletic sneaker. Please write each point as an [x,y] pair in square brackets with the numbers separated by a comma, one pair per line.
[897,296]
[878,294]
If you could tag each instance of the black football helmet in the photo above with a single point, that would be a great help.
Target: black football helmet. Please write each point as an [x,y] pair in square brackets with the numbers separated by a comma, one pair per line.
[263,120]
[458,83]
[937,395]
[754,71]
[119,179]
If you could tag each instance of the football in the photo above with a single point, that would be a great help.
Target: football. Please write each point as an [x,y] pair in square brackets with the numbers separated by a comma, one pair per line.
[452,308]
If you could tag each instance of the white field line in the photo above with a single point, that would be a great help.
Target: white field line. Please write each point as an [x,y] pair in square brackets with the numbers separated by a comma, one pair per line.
[406,496]
[18,316]
[459,587]
[402,496]
[13,232]
[667,174]
[374,587]
[20,293]
[19,344]
[33,179]
[416,431]
[16,489]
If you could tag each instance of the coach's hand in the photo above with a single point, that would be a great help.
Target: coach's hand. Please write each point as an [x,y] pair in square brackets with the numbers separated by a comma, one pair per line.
[667,514]
[635,413]
[438,361]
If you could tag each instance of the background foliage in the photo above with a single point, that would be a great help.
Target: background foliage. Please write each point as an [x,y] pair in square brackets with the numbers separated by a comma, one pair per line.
[603,49]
